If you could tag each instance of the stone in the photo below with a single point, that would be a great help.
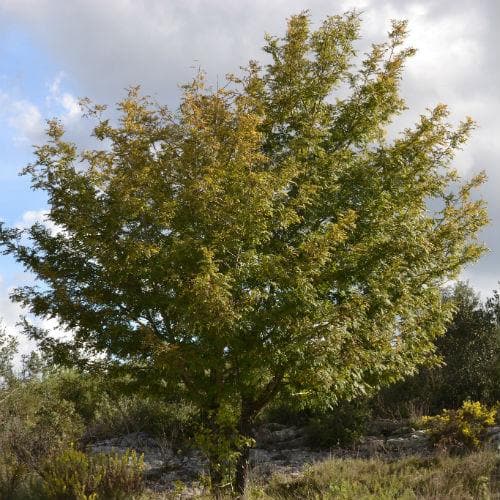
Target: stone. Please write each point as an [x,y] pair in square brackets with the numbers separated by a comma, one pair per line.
[492,441]
[383,427]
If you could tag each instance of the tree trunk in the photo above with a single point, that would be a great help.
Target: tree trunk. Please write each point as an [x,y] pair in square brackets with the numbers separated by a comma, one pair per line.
[243,462]
[215,480]
[242,466]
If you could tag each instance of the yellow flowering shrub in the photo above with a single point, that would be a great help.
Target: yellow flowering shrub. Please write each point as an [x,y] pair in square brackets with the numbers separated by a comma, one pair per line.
[462,429]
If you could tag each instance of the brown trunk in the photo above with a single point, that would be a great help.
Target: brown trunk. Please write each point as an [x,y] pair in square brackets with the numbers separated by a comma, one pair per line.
[242,467]
[243,464]
[216,481]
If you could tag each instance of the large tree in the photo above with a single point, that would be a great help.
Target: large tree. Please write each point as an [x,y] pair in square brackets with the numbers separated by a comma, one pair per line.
[267,237]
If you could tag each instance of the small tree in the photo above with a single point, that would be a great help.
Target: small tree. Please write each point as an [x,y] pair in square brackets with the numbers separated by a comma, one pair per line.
[265,238]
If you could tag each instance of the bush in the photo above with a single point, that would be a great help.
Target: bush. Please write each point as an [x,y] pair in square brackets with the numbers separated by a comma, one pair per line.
[108,409]
[73,475]
[35,423]
[286,412]
[113,417]
[341,426]
[84,390]
[12,477]
[462,429]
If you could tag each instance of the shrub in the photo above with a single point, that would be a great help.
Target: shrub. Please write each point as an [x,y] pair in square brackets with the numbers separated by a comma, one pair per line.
[8,348]
[73,475]
[174,421]
[286,411]
[84,390]
[35,423]
[461,429]
[341,426]
[12,477]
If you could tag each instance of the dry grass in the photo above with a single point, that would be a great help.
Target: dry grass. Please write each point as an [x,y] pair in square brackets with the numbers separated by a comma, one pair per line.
[476,476]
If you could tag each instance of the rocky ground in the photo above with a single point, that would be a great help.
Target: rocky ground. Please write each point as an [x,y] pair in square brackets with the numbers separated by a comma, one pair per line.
[279,448]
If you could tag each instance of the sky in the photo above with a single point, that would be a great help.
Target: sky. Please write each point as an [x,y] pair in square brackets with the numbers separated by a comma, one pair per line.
[52,52]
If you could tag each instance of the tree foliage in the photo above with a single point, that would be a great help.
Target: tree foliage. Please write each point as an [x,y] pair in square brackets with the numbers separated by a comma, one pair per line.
[265,237]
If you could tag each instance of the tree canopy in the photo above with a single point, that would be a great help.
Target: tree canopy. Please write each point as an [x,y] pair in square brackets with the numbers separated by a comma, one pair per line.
[265,237]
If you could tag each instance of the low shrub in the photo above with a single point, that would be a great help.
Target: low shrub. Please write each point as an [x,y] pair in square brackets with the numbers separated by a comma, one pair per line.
[35,423]
[462,429]
[86,391]
[12,477]
[285,412]
[73,475]
[173,421]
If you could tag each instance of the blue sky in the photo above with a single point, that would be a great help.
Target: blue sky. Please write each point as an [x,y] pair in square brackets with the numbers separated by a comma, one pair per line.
[54,51]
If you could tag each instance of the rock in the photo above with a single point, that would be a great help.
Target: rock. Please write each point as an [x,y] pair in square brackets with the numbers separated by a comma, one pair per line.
[383,427]
[492,440]
[286,434]
[277,435]
[281,449]
[492,431]
[370,445]
[258,455]
[292,444]
[402,431]
[410,443]
[272,427]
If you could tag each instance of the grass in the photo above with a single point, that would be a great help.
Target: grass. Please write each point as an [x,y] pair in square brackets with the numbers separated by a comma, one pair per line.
[475,476]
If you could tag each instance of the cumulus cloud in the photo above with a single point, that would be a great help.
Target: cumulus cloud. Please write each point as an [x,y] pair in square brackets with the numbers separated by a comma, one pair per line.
[10,316]
[27,120]
[11,312]
[23,117]
[71,110]
[31,217]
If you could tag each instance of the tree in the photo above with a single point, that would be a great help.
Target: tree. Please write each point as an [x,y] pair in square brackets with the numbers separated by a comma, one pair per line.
[471,350]
[263,239]
[8,349]
[470,355]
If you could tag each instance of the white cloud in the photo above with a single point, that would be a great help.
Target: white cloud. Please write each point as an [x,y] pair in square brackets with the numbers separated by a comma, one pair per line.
[71,110]
[31,217]
[23,117]
[10,314]
[27,120]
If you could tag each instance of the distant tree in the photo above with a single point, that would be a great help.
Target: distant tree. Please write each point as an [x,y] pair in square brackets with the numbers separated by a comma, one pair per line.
[8,349]
[493,308]
[470,359]
[470,350]
[267,238]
